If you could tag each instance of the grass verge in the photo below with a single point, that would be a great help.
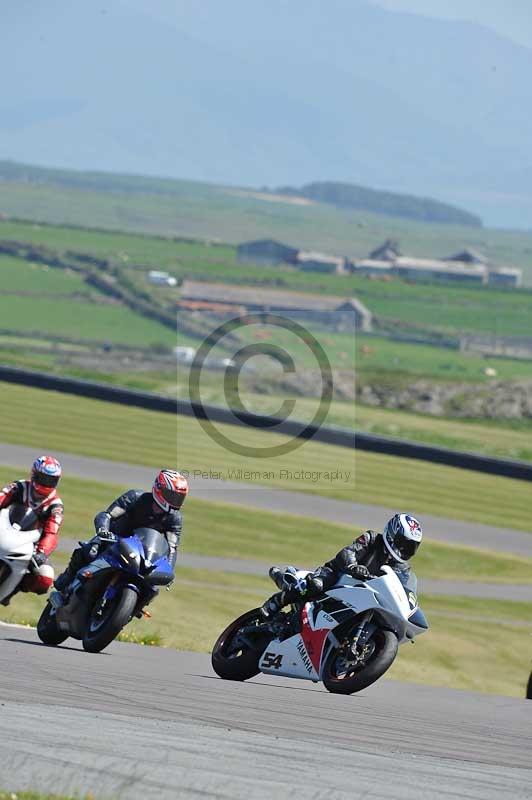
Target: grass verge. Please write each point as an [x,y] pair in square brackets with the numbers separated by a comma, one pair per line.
[512,439]
[95,428]
[215,529]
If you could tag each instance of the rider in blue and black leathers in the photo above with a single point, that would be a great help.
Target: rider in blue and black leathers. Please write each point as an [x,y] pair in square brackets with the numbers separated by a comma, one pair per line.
[158,509]
[397,543]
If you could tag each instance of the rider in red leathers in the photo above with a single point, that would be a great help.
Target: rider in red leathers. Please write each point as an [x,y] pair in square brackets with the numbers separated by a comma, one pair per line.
[39,494]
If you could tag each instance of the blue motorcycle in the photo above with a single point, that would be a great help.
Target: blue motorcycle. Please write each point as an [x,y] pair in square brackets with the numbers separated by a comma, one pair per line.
[105,595]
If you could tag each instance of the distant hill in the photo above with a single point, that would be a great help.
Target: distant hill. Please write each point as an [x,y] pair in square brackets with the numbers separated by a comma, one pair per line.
[250,93]
[341,195]
[348,195]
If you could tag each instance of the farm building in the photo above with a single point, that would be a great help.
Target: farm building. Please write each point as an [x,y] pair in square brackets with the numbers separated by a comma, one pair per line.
[467,266]
[338,313]
[320,262]
[372,267]
[387,251]
[223,310]
[505,276]
[266,251]
[468,256]
[435,270]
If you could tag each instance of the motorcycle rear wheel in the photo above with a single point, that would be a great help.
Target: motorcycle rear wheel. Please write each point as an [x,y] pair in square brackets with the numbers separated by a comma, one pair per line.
[234,661]
[101,633]
[47,628]
[360,676]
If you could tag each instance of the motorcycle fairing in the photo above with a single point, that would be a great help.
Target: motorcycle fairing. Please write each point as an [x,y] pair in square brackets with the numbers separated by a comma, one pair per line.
[301,655]
[304,654]
[123,559]
[16,550]
[128,554]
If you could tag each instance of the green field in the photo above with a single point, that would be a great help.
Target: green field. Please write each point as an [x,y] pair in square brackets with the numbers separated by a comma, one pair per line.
[39,279]
[383,360]
[204,211]
[92,427]
[448,309]
[53,302]
[82,320]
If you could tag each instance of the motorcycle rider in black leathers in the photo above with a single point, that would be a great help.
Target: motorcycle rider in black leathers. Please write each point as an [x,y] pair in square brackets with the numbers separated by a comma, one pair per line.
[158,509]
[363,558]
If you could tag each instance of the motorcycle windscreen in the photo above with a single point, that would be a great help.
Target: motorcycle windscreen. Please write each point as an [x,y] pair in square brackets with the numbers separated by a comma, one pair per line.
[24,518]
[154,544]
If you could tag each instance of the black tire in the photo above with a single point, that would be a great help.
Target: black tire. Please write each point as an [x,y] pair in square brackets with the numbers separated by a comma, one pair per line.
[47,629]
[529,688]
[386,644]
[101,633]
[238,664]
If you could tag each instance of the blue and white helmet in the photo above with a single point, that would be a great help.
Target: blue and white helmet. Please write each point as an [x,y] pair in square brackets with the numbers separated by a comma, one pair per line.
[402,536]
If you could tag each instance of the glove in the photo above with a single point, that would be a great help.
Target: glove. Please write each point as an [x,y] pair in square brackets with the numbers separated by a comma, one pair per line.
[106,536]
[359,571]
[315,584]
[39,558]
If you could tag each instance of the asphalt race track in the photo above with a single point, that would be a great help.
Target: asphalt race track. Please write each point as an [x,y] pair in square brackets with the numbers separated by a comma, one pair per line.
[141,722]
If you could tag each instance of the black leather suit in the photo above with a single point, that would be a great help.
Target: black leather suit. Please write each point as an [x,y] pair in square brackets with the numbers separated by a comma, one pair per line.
[368,550]
[133,509]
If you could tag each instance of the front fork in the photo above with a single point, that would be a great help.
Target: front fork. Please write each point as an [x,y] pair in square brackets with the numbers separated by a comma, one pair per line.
[362,633]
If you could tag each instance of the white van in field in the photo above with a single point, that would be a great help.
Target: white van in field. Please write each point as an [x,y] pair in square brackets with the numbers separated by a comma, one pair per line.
[184,355]
[161,278]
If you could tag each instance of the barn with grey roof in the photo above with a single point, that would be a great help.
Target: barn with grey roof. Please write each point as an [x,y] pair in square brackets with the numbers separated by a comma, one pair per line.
[338,313]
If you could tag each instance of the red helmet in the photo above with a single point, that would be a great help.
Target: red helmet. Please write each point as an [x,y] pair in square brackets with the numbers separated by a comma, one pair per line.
[45,475]
[169,489]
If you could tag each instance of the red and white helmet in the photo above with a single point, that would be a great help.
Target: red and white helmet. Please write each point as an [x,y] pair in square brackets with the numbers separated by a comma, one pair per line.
[45,475]
[169,489]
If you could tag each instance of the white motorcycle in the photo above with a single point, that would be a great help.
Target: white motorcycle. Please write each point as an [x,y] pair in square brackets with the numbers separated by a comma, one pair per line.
[347,638]
[18,535]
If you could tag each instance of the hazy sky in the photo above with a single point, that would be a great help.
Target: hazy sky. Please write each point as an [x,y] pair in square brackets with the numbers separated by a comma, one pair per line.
[512,18]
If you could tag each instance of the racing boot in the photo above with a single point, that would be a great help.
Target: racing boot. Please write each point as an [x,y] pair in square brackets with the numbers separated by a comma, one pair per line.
[62,588]
[63,581]
[273,605]
[277,576]
[7,600]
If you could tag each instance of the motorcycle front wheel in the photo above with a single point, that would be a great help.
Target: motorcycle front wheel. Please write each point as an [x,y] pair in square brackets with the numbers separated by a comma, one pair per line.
[345,674]
[47,628]
[105,623]
[235,656]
